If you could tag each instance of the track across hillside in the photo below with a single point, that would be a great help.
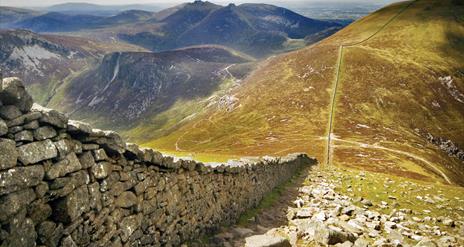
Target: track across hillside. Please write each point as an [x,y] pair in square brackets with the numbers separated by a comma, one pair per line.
[337,78]
[330,134]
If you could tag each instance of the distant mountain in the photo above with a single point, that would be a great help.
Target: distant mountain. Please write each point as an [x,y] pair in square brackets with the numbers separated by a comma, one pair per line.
[78,8]
[10,15]
[257,29]
[59,22]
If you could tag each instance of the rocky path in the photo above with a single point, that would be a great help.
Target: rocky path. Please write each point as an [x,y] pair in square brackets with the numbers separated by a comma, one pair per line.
[349,208]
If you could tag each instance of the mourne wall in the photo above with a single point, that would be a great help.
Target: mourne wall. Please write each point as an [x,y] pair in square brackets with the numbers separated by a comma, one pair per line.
[63,183]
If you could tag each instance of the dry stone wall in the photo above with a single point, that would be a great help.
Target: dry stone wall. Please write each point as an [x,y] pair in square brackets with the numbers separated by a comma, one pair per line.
[63,183]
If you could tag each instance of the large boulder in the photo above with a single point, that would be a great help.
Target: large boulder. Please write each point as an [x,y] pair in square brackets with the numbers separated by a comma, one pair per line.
[13,92]
[37,151]
[266,241]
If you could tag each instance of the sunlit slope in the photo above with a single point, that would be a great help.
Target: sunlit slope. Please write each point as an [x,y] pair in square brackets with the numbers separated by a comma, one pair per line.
[389,96]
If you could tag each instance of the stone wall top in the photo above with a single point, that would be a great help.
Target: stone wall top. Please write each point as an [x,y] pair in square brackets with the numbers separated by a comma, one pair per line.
[17,107]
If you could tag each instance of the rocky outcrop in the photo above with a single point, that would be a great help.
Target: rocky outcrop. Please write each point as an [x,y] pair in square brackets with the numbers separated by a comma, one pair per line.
[63,183]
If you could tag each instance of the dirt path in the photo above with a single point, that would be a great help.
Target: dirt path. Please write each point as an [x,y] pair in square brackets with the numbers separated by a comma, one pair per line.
[365,145]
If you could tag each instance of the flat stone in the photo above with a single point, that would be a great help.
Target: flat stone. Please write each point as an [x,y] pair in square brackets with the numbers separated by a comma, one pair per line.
[13,92]
[9,112]
[24,136]
[37,151]
[79,127]
[101,170]
[51,116]
[32,125]
[18,178]
[11,204]
[63,167]
[45,132]
[8,153]
[266,241]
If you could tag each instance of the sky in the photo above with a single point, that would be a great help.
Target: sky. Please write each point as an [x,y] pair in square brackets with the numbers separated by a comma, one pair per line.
[33,3]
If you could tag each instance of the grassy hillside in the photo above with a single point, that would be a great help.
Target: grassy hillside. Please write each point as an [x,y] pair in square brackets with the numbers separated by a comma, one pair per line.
[387,81]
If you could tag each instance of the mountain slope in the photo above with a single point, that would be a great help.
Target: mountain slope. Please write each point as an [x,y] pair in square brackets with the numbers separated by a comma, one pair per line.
[46,61]
[128,87]
[385,81]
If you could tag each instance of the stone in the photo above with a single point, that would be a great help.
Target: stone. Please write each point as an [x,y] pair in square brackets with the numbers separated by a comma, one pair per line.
[86,159]
[426,242]
[361,242]
[345,244]
[12,203]
[266,241]
[68,165]
[305,213]
[13,92]
[331,235]
[101,170]
[20,178]
[127,199]
[9,112]
[49,233]
[78,127]
[51,117]
[449,222]
[100,155]
[22,233]
[69,208]
[45,132]
[367,203]
[15,129]
[32,125]
[24,136]
[39,211]
[64,147]
[128,226]
[36,151]
[133,151]
[348,210]
[3,128]
[8,153]
[68,242]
